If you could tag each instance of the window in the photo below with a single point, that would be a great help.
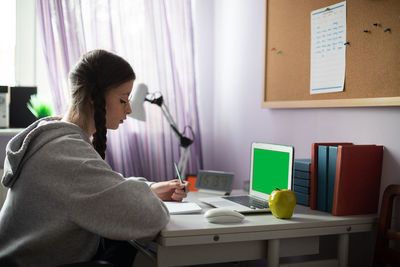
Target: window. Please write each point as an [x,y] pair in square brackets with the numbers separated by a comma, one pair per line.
[7,43]
[22,62]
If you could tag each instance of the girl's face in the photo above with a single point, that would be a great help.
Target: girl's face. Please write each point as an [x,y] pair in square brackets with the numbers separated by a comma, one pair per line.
[117,105]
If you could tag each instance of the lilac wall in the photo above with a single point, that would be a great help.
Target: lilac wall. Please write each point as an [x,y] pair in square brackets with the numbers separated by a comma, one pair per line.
[230,65]
[230,52]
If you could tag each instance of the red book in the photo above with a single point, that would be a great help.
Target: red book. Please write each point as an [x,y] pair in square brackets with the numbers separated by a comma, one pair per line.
[357,181]
[314,171]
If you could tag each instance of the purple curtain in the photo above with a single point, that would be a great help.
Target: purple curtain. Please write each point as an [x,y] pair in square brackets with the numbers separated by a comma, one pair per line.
[156,37]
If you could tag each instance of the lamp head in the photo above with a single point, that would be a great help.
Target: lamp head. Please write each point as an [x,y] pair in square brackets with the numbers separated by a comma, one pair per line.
[138,98]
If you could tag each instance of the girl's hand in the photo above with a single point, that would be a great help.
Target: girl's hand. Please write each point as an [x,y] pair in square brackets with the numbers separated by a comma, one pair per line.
[170,190]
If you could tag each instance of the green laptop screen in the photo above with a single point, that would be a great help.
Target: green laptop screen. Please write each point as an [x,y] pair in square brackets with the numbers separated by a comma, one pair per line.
[270,170]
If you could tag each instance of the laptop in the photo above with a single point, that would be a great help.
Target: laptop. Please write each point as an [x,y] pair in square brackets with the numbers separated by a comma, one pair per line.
[271,167]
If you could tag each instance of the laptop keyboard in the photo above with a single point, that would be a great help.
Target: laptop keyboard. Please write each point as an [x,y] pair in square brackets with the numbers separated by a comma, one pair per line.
[249,201]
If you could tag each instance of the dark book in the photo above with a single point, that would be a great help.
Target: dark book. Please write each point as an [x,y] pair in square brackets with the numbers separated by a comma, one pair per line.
[301,189]
[322,177]
[301,182]
[357,182]
[314,171]
[302,198]
[332,157]
[302,165]
[301,174]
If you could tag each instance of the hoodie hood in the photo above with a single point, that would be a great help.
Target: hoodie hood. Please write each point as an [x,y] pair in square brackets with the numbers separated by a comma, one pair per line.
[22,146]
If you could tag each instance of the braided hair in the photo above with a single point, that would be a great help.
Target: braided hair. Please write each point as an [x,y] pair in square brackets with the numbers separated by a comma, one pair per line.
[96,73]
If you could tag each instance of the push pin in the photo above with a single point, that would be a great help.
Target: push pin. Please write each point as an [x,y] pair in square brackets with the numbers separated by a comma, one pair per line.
[273,49]
[387,30]
[347,43]
[279,52]
[327,9]
[366,31]
[376,24]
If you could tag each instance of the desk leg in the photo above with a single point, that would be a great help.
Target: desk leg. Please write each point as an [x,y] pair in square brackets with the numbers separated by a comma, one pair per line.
[343,250]
[273,253]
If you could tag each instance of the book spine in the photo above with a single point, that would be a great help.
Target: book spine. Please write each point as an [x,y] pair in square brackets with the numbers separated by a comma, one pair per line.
[302,174]
[314,171]
[301,198]
[357,182]
[301,182]
[332,159]
[314,176]
[336,197]
[302,165]
[322,177]
[301,189]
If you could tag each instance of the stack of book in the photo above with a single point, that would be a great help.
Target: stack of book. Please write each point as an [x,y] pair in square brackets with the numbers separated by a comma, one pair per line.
[345,178]
[301,180]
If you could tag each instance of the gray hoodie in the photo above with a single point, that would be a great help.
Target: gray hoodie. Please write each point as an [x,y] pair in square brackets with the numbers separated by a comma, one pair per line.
[63,197]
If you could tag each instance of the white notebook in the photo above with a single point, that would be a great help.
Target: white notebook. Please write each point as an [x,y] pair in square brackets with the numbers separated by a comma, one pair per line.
[182,207]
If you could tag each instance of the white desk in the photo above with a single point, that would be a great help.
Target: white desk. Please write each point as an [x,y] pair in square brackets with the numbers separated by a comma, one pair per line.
[189,239]
[10,131]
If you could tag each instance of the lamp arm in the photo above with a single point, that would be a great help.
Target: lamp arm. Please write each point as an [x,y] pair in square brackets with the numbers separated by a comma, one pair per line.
[159,101]
[170,120]
[185,142]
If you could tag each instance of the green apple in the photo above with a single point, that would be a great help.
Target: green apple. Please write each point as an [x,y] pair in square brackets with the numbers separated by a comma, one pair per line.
[282,203]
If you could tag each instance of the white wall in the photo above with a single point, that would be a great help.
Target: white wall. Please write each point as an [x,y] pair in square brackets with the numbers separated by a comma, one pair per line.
[230,105]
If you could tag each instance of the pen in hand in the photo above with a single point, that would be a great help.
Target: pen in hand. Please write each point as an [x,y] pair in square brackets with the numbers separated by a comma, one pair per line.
[179,176]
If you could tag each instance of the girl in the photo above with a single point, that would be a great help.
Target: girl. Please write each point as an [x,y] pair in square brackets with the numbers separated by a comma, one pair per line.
[63,198]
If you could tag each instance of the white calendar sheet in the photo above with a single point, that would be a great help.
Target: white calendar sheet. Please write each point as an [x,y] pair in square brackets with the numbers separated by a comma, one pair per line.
[328,49]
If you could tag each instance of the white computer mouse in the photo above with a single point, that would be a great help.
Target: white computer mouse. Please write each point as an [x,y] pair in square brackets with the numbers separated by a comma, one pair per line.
[223,215]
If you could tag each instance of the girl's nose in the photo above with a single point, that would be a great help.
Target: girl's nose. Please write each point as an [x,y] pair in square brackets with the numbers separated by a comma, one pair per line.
[128,108]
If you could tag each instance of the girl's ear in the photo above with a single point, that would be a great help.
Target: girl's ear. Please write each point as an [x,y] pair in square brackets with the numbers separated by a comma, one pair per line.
[90,105]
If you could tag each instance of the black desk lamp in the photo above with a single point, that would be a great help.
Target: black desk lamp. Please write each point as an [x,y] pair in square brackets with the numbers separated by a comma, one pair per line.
[140,95]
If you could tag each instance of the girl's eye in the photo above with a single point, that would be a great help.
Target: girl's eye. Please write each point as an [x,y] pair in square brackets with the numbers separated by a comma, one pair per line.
[122,101]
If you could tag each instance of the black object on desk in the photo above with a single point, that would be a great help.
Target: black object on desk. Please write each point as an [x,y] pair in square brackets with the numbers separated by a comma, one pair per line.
[20,115]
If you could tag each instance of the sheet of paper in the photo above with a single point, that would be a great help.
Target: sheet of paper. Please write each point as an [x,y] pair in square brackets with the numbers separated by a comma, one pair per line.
[182,207]
[328,49]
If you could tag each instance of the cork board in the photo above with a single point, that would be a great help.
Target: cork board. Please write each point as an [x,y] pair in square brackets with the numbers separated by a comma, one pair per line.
[372,76]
